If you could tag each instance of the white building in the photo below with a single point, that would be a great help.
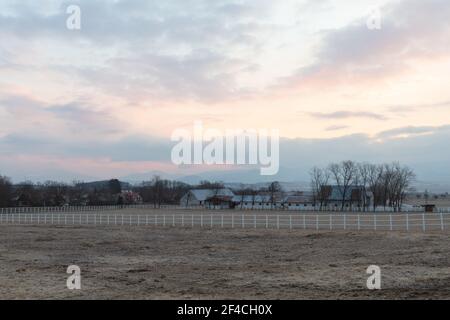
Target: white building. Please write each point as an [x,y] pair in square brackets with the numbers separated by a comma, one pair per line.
[209,198]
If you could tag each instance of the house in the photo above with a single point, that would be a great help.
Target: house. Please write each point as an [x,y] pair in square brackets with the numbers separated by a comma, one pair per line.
[355,197]
[208,198]
[429,207]
[129,197]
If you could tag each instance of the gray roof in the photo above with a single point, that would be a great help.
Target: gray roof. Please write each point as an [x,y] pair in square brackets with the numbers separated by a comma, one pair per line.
[248,198]
[337,192]
[204,194]
[298,199]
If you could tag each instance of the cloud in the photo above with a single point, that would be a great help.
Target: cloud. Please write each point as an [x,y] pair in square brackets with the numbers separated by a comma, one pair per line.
[336,128]
[178,49]
[411,131]
[36,156]
[347,114]
[411,30]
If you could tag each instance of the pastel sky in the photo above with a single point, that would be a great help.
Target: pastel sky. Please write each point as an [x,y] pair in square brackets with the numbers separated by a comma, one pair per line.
[103,101]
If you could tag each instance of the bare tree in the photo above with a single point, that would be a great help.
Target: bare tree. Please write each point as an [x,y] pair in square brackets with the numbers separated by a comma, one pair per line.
[274,188]
[364,178]
[319,179]
[343,174]
[5,191]
[375,173]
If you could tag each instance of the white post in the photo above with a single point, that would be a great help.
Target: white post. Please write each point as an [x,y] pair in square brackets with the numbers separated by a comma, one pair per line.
[359,222]
[278,222]
[182,220]
[423,222]
[232,221]
[254,217]
[290,222]
[442,222]
[375,221]
[390,221]
[407,222]
[317,222]
[211,221]
[221,221]
[331,222]
[267,221]
[304,222]
[201,220]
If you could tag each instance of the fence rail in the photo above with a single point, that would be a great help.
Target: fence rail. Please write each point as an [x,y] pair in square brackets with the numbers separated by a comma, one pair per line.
[388,222]
[65,209]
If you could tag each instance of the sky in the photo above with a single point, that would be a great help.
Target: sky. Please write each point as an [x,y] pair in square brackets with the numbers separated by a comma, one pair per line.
[103,101]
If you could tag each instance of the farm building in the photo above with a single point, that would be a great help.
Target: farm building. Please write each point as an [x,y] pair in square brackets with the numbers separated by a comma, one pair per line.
[355,196]
[298,202]
[256,202]
[209,198]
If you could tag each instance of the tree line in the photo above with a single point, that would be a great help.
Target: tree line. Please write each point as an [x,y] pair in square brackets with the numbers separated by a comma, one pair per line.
[387,183]
[52,193]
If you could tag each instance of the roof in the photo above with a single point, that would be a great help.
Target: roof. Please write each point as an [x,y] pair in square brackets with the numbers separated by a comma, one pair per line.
[298,199]
[336,193]
[204,194]
[251,199]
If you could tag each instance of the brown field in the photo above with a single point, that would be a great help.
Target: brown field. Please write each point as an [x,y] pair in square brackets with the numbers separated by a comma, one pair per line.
[144,262]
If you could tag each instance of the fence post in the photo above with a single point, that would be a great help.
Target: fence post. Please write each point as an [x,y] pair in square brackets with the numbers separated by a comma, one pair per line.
[278,222]
[423,222]
[232,221]
[290,222]
[331,222]
[267,221]
[254,217]
[442,222]
[317,222]
[211,221]
[221,221]
[375,221]
[359,222]
[182,220]
[345,221]
[390,221]
[304,222]
[201,220]
[407,222]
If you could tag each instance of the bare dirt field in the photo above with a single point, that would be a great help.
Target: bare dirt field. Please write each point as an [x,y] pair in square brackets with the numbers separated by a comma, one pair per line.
[143,262]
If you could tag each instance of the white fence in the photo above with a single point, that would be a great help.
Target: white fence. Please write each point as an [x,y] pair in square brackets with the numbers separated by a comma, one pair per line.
[66,209]
[401,222]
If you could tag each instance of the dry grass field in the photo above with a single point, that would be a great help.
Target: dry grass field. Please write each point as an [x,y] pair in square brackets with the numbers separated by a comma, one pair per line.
[146,262]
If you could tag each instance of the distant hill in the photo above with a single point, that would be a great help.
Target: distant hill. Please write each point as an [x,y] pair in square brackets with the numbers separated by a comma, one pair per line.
[104,184]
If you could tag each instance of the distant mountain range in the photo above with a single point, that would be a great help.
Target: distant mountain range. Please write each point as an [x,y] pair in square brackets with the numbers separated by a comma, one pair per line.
[252,178]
